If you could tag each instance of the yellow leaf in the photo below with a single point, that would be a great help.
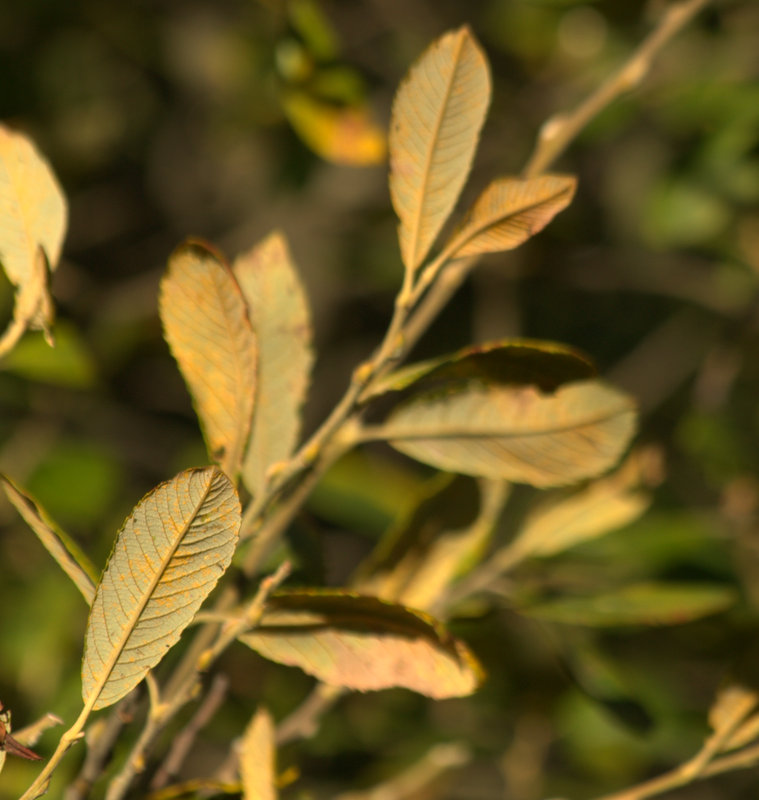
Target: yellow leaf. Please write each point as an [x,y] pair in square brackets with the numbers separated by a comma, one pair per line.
[508,212]
[341,135]
[173,548]
[276,300]
[205,321]
[437,115]
[258,758]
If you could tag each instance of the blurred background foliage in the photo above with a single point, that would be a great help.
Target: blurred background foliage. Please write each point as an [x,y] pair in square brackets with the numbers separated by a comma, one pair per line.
[227,118]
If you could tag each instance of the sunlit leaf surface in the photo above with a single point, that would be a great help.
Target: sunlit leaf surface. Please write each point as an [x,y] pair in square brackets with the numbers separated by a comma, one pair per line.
[638,604]
[206,324]
[341,135]
[517,433]
[279,310]
[258,758]
[168,556]
[363,643]
[32,207]
[509,211]
[437,115]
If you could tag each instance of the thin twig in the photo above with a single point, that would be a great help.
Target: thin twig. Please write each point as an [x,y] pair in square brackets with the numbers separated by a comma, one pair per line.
[556,134]
[181,745]
[100,747]
[681,776]
[185,689]
[304,721]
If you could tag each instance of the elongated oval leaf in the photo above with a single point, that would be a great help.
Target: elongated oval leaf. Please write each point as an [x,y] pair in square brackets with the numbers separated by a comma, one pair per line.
[171,551]
[258,758]
[61,547]
[437,115]
[206,325]
[278,306]
[639,604]
[33,209]
[363,643]
[509,211]
[516,433]
[599,508]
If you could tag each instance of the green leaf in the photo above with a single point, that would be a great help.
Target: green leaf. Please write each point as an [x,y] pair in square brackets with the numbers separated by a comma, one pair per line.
[436,119]
[514,432]
[509,212]
[359,642]
[61,547]
[638,604]
[278,306]
[547,365]
[171,551]
[206,324]
[258,758]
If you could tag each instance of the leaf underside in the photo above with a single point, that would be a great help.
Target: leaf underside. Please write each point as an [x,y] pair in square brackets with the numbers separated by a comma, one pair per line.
[363,643]
[279,309]
[437,115]
[206,325]
[171,551]
[516,433]
[258,758]
[33,210]
[509,212]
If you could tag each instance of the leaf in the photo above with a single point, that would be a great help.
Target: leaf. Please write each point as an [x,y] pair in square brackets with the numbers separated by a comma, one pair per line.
[169,554]
[547,365]
[33,209]
[436,119]
[420,556]
[61,547]
[206,325]
[278,305]
[509,212]
[638,604]
[601,507]
[360,642]
[258,758]
[515,433]
[33,216]
[341,135]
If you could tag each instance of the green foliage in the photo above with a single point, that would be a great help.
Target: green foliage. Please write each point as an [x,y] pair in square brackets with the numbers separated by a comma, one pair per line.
[505,526]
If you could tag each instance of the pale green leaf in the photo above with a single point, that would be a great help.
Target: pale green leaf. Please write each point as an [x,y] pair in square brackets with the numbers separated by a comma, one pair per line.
[638,604]
[258,758]
[437,115]
[517,433]
[509,212]
[171,551]
[360,642]
[206,324]
[603,506]
[61,547]
[279,310]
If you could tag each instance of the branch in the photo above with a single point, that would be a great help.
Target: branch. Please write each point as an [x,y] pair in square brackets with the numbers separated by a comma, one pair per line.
[558,131]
